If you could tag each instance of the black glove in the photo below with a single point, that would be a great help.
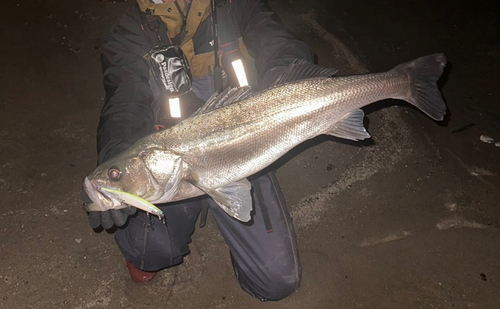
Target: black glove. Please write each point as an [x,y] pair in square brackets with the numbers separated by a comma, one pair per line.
[108,218]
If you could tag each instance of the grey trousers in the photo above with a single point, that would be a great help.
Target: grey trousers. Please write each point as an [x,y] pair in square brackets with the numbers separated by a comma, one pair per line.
[266,263]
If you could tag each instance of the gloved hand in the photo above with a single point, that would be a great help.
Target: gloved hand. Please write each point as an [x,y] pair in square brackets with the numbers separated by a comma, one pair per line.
[108,218]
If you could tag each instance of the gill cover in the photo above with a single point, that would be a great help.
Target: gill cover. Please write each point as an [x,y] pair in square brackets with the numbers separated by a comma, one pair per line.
[166,172]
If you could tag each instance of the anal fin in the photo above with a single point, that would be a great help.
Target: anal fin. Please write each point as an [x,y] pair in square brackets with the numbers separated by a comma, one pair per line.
[350,126]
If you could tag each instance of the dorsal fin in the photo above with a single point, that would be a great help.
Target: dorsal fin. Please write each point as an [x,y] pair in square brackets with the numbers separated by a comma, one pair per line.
[301,69]
[226,97]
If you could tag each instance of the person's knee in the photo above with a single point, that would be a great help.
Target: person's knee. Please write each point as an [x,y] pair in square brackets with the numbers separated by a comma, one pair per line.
[281,285]
[150,254]
[150,245]
[274,286]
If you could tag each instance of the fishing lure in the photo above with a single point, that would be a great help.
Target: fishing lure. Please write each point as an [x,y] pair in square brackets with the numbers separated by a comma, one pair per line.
[135,201]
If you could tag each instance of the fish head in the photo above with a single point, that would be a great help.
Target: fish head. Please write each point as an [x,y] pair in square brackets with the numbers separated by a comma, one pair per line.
[123,173]
[150,174]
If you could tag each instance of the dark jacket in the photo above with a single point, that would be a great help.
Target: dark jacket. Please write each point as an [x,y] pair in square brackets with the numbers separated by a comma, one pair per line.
[127,114]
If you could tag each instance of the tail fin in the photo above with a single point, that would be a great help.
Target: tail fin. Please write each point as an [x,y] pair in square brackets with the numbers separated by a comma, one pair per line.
[424,72]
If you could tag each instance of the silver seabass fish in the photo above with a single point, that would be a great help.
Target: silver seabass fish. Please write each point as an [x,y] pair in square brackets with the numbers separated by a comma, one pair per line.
[215,151]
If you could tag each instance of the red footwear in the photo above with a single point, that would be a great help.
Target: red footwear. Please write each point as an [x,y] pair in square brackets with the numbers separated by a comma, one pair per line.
[138,275]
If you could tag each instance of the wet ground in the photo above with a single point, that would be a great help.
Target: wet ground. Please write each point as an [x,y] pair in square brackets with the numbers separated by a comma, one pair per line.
[406,220]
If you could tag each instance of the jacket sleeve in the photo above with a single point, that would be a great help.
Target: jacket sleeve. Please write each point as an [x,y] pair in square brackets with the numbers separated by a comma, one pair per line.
[271,46]
[127,113]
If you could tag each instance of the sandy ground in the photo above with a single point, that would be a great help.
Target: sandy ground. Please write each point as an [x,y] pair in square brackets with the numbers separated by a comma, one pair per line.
[408,219]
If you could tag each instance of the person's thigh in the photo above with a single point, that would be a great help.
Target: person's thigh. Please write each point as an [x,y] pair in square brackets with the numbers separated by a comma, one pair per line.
[151,245]
[266,262]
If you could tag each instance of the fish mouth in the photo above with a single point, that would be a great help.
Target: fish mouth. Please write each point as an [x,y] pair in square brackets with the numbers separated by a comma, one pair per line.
[105,198]
[101,200]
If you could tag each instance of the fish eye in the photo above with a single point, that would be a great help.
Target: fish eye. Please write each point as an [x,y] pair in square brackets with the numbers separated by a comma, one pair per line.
[114,173]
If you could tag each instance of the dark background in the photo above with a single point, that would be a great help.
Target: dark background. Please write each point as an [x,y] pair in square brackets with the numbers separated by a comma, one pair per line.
[406,220]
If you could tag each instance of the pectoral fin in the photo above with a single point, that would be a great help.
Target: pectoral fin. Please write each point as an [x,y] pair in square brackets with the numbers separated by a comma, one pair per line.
[350,126]
[235,199]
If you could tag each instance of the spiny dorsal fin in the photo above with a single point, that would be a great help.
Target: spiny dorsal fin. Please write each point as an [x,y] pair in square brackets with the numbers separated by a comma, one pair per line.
[299,69]
[225,98]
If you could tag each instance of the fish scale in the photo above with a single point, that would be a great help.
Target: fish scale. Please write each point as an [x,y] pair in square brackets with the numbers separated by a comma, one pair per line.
[215,151]
[276,124]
